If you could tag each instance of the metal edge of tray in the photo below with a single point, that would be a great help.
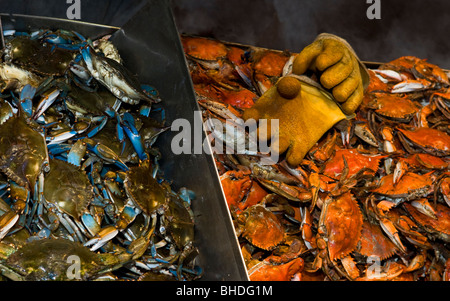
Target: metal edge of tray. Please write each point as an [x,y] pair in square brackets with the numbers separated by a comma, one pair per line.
[219,253]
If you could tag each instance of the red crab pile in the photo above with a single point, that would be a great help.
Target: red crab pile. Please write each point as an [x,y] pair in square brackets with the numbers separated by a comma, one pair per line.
[371,199]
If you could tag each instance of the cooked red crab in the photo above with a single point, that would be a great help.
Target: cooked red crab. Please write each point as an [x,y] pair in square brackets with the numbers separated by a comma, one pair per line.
[430,140]
[355,161]
[393,107]
[261,227]
[410,186]
[438,227]
[341,220]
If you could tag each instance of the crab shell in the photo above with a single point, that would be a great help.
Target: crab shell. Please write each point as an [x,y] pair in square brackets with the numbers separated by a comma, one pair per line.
[439,226]
[23,152]
[181,223]
[235,184]
[264,271]
[374,243]
[39,57]
[269,63]
[431,72]
[355,161]
[144,190]
[49,259]
[68,187]
[394,107]
[343,221]
[262,228]
[410,186]
[430,140]
[203,48]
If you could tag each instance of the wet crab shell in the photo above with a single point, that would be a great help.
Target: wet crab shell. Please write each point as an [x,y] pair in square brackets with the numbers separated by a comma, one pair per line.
[355,161]
[23,151]
[394,107]
[439,226]
[204,49]
[269,63]
[144,190]
[264,271]
[431,72]
[68,187]
[343,221]
[410,186]
[39,57]
[262,228]
[181,222]
[49,259]
[430,140]
[374,243]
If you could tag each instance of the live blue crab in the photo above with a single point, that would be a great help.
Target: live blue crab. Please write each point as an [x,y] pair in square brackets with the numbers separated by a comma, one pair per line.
[79,172]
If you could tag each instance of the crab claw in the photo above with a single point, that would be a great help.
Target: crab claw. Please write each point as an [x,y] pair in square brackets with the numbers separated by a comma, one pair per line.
[7,221]
[389,228]
[102,237]
[133,134]
[26,97]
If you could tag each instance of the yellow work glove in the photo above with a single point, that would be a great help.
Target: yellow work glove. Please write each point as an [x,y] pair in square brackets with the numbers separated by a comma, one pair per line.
[304,112]
[339,69]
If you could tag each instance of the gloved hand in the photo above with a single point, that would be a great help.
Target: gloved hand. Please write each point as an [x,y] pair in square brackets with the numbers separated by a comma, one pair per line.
[339,69]
[304,111]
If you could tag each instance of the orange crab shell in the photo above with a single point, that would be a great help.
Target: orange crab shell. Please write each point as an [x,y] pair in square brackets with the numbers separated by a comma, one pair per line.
[343,221]
[430,161]
[255,195]
[410,186]
[283,272]
[431,72]
[402,64]
[430,140]
[236,185]
[375,84]
[262,228]
[270,63]
[203,48]
[439,224]
[355,161]
[394,107]
[374,243]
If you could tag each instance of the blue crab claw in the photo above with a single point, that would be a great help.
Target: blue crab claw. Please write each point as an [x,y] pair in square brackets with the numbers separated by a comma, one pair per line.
[26,99]
[46,102]
[57,149]
[102,237]
[7,221]
[134,136]
[91,224]
[77,153]
[66,135]
[104,153]
[151,92]
[95,130]
[145,110]
[81,73]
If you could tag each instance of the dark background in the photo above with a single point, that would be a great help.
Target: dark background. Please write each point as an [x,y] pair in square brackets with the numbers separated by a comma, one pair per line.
[413,27]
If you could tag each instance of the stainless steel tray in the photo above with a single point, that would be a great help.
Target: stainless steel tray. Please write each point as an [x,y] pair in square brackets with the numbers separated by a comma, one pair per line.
[150,46]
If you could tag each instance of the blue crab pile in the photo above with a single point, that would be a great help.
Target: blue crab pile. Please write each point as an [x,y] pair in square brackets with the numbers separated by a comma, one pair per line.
[79,177]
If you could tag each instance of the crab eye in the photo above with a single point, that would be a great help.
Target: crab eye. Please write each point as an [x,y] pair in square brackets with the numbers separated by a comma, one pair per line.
[46,166]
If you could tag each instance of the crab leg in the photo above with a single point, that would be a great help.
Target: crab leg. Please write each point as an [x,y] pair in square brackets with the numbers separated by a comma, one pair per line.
[45,103]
